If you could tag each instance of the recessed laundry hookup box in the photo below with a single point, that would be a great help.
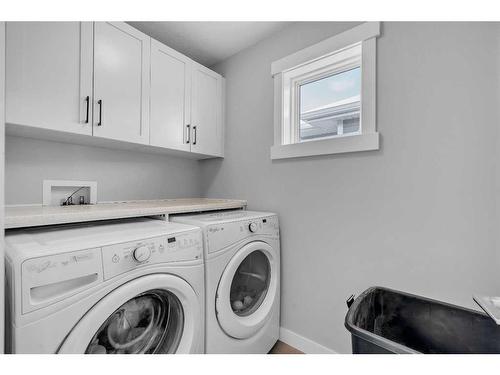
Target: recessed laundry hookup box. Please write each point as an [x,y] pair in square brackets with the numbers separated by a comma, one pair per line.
[67,192]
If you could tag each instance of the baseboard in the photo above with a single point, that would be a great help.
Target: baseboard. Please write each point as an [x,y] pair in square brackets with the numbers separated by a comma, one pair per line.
[303,344]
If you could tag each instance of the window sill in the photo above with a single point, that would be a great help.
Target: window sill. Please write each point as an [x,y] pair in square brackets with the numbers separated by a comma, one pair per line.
[352,143]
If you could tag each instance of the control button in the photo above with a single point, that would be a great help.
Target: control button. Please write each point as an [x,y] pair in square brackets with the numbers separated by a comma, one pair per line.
[161,248]
[252,227]
[142,254]
[115,258]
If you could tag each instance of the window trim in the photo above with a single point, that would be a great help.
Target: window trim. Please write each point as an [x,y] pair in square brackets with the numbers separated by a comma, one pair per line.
[368,138]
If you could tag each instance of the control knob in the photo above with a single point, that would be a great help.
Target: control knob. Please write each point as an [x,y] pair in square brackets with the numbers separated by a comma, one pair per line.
[142,254]
[252,227]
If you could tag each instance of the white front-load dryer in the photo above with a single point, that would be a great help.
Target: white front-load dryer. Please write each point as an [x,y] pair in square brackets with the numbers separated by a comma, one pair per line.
[242,270]
[133,286]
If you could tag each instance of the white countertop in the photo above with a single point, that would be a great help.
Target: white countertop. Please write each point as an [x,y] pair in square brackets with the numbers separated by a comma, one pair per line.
[36,215]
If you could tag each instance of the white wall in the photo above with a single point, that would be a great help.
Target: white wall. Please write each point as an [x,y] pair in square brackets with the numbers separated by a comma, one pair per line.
[120,175]
[418,215]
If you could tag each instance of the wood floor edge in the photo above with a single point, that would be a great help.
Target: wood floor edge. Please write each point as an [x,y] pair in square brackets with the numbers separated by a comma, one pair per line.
[282,348]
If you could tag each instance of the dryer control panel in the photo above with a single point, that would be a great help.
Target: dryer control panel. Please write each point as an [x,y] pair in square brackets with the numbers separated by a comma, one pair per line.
[222,235]
[124,257]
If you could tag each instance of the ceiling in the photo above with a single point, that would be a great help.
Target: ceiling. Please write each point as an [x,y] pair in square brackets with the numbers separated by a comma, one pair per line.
[209,42]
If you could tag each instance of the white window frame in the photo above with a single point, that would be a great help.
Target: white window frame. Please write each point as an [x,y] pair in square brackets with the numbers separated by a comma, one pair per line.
[353,48]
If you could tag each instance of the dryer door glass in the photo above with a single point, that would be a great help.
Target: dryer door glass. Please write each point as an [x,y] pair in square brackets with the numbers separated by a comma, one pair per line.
[250,283]
[151,322]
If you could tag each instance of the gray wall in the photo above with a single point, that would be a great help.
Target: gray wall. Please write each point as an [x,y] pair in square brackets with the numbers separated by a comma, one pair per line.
[120,175]
[417,215]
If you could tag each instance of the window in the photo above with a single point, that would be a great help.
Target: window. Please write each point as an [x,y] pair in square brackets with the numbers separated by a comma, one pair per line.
[327,102]
[330,106]
[325,96]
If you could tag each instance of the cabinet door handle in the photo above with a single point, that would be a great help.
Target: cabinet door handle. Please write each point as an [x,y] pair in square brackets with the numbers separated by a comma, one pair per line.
[87,101]
[188,137]
[99,102]
[194,135]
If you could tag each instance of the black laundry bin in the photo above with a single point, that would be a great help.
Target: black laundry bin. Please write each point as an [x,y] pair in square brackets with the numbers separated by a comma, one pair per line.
[385,321]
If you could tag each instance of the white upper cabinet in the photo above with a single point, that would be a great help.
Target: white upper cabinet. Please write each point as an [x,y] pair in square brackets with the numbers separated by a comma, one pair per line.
[207,111]
[110,81]
[49,75]
[170,98]
[121,82]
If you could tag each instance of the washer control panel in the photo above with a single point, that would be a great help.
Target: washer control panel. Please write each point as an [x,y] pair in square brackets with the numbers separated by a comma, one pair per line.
[127,256]
[221,235]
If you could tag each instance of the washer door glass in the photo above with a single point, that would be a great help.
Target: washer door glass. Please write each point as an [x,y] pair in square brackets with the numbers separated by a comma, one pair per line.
[151,322]
[250,283]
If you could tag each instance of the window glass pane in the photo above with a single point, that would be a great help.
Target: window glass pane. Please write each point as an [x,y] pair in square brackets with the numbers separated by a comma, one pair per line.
[330,106]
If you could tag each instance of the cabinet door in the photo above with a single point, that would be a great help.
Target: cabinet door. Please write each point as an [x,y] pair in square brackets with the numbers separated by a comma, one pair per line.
[207,115]
[121,82]
[170,98]
[49,75]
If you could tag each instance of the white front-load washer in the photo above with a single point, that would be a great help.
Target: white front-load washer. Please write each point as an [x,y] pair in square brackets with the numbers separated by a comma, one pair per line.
[242,285]
[130,286]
